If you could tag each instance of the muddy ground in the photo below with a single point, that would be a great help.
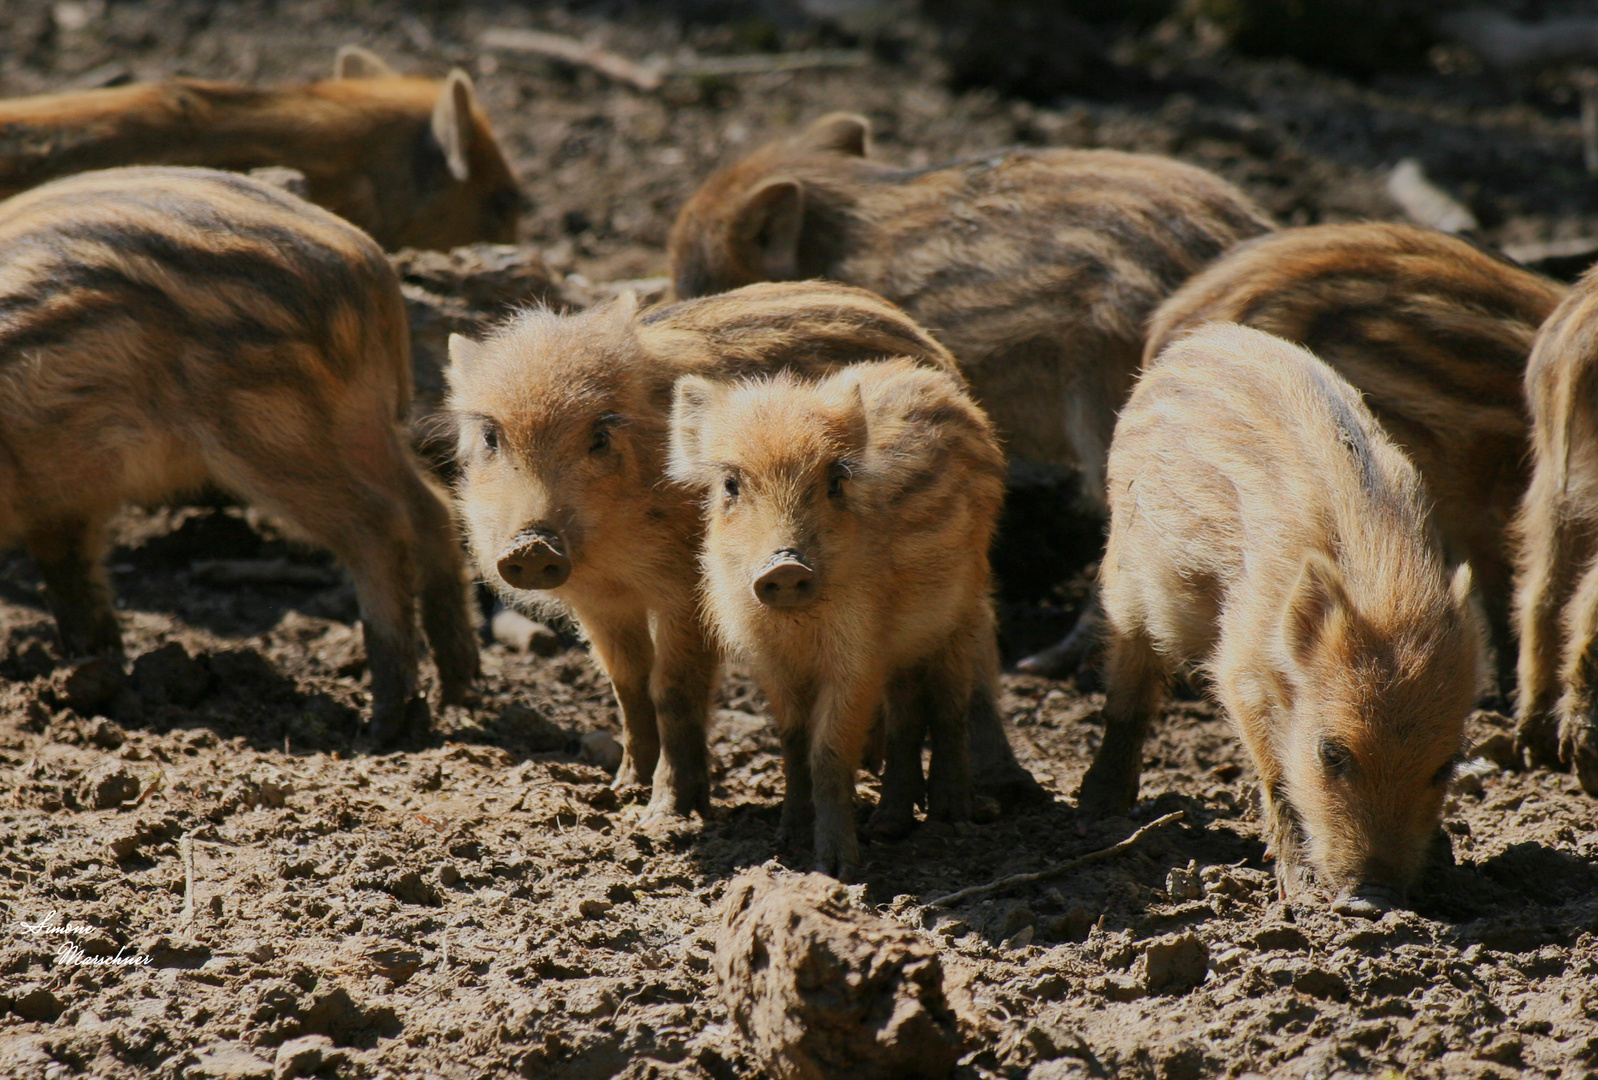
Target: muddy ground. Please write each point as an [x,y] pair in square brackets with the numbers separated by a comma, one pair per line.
[487,906]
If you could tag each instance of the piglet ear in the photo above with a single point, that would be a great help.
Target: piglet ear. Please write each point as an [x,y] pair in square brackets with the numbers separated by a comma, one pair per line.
[769,224]
[452,123]
[1461,586]
[463,351]
[691,401]
[354,62]
[1316,601]
[838,133]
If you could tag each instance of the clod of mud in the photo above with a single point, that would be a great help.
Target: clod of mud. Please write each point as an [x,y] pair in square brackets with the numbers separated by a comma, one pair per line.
[822,989]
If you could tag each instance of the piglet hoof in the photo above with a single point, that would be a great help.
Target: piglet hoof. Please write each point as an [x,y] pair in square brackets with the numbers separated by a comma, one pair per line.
[1011,786]
[985,811]
[838,856]
[890,824]
[1104,795]
[1537,740]
[392,727]
[628,774]
[1578,747]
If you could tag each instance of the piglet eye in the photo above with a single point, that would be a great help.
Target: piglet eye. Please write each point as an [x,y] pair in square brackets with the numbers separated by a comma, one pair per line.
[1335,757]
[835,481]
[600,442]
[491,437]
[730,486]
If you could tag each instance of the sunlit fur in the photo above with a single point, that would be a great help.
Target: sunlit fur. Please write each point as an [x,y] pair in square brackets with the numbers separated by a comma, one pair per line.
[1037,268]
[886,480]
[368,147]
[1557,596]
[546,385]
[165,328]
[1434,334]
[1265,530]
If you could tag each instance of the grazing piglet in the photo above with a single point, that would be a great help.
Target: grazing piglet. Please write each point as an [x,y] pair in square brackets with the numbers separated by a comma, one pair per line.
[564,493]
[1557,597]
[1433,333]
[165,328]
[846,557]
[412,161]
[1264,529]
[1037,268]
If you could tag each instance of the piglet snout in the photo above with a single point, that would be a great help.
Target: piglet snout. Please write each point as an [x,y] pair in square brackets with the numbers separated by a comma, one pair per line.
[787,582]
[536,560]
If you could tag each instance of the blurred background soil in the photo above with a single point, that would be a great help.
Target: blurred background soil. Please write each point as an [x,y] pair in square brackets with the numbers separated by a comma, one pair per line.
[487,906]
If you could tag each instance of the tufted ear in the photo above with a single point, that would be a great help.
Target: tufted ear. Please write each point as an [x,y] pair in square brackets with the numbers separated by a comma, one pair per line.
[838,133]
[1461,586]
[770,222]
[355,62]
[691,401]
[452,122]
[1317,599]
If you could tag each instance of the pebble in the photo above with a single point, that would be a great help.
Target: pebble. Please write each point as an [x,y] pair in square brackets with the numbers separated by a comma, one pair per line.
[302,1056]
[1175,963]
[517,632]
[601,748]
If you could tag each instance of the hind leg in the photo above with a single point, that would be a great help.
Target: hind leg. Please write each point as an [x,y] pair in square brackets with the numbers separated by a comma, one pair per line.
[904,721]
[1554,549]
[1134,684]
[69,554]
[442,572]
[1578,708]
[995,773]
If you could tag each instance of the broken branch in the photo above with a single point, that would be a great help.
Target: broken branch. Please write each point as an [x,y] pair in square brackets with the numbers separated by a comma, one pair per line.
[1056,871]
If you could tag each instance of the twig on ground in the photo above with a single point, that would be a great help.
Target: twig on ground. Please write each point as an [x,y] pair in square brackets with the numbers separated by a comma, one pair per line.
[1056,871]
[648,77]
[186,850]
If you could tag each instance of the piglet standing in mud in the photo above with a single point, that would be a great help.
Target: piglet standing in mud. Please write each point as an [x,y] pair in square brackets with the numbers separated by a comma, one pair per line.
[846,557]
[567,505]
[161,329]
[1266,531]
[1557,594]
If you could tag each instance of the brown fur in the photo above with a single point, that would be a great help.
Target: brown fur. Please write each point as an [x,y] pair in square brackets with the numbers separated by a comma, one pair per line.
[1037,268]
[1557,595]
[1266,530]
[165,328]
[1435,335]
[563,444]
[412,161]
[885,480]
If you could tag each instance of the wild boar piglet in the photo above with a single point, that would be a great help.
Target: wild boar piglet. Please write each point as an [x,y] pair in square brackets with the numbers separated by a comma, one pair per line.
[846,558]
[161,329]
[566,501]
[1264,530]
[1557,595]
[1433,333]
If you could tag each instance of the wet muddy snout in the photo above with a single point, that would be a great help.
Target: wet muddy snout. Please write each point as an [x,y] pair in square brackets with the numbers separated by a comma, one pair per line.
[536,559]
[1369,899]
[787,582]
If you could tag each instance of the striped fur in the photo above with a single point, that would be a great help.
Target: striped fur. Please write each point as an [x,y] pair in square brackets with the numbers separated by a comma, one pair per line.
[165,328]
[1036,268]
[412,161]
[563,422]
[1265,529]
[884,480]
[1435,335]
[1557,533]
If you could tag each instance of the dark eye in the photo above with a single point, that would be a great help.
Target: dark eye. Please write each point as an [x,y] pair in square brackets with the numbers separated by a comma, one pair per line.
[600,442]
[1335,757]
[730,486]
[835,481]
[491,437]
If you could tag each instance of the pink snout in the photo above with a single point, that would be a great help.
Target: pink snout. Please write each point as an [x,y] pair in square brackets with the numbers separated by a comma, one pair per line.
[787,583]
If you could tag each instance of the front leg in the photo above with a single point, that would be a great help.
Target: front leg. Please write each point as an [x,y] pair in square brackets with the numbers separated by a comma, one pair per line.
[68,554]
[792,715]
[625,652]
[842,722]
[902,783]
[684,676]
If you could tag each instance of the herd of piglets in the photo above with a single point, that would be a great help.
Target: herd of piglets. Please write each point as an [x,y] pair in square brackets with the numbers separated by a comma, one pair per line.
[1311,445]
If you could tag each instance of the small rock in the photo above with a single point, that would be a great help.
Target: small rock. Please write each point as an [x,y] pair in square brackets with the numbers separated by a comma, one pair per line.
[107,735]
[1174,963]
[594,909]
[448,875]
[517,632]
[1119,987]
[35,1002]
[107,785]
[1283,936]
[1498,748]
[1021,938]
[302,1056]
[1183,883]
[821,988]
[601,748]
[228,1061]
[541,735]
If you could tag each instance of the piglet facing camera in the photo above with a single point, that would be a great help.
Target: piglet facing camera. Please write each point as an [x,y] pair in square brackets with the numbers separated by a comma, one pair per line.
[848,522]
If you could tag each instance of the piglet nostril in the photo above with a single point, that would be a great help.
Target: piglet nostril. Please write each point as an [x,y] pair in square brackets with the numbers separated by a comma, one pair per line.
[788,583]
